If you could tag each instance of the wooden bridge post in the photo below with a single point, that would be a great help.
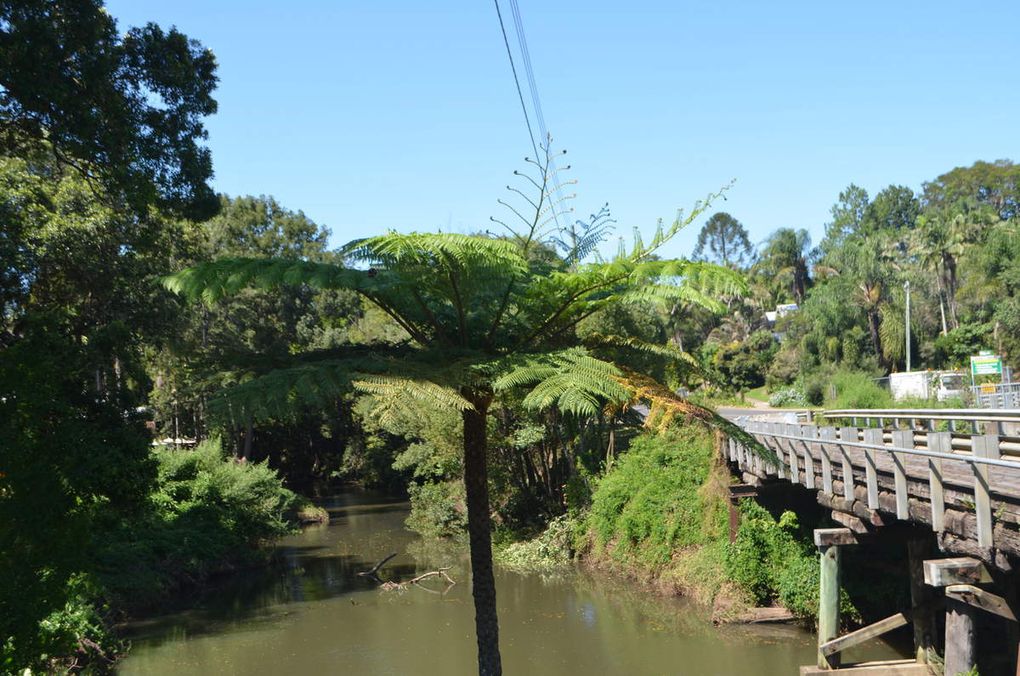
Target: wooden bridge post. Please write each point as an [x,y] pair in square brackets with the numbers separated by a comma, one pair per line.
[827,434]
[810,432]
[960,642]
[829,541]
[901,439]
[939,442]
[922,599]
[872,436]
[847,434]
[985,446]
[960,637]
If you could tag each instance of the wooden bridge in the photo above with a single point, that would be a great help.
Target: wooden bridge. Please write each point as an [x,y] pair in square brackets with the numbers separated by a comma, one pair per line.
[953,471]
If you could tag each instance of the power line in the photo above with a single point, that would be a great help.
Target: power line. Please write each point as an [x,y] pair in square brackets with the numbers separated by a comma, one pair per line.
[520,94]
[522,42]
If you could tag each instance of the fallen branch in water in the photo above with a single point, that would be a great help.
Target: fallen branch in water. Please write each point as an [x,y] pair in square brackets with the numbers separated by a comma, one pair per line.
[403,586]
[376,567]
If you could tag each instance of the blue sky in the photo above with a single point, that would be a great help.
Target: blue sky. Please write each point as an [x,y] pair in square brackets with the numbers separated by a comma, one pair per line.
[377,115]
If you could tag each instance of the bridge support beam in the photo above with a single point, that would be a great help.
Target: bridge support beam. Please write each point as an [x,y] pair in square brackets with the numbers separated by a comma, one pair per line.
[829,541]
[959,637]
[922,599]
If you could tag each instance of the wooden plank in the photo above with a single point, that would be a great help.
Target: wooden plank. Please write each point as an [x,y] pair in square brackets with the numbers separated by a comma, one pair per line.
[850,521]
[770,429]
[826,537]
[826,434]
[960,640]
[864,634]
[985,446]
[791,448]
[903,439]
[957,570]
[940,442]
[880,668]
[811,432]
[847,434]
[743,491]
[872,436]
[732,445]
[979,598]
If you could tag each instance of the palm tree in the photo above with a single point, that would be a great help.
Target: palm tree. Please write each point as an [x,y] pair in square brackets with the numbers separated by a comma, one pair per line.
[944,235]
[784,257]
[484,314]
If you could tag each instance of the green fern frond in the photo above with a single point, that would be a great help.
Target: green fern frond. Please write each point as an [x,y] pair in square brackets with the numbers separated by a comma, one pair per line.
[395,388]
[214,280]
[668,351]
[572,381]
[447,250]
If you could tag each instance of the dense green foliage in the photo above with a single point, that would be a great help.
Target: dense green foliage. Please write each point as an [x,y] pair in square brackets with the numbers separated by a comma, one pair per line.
[661,511]
[491,377]
[123,107]
[205,514]
[652,502]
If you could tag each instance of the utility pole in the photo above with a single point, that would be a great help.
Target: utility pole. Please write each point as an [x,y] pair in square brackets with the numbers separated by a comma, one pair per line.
[906,287]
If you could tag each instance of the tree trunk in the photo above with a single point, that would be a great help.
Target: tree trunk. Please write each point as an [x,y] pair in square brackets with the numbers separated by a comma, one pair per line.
[483,585]
[950,265]
[249,433]
[876,337]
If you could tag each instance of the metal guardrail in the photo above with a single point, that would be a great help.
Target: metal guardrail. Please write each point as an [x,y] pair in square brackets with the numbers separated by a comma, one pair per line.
[997,395]
[1005,420]
[961,414]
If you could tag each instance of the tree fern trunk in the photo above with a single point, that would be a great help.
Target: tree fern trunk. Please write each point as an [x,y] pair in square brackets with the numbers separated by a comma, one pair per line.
[483,585]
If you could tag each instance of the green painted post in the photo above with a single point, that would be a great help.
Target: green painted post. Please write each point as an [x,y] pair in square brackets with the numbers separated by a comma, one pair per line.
[828,603]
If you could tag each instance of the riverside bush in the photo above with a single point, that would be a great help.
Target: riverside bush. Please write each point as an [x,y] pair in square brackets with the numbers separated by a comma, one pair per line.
[205,514]
[662,510]
[652,502]
[774,561]
[550,551]
[788,396]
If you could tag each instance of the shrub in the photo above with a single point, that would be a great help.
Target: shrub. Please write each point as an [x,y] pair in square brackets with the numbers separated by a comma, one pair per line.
[437,509]
[788,396]
[207,514]
[859,390]
[651,502]
[774,562]
[814,391]
[548,552]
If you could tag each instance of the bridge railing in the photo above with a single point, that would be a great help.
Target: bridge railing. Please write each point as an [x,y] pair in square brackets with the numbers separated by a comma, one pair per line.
[931,418]
[917,474]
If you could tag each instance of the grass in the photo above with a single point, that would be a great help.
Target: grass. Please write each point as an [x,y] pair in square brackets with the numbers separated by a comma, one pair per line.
[759,394]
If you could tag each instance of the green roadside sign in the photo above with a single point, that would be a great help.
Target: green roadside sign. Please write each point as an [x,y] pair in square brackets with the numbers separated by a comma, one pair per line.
[986,365]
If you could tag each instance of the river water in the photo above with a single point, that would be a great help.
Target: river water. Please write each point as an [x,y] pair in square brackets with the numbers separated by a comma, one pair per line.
[314,615]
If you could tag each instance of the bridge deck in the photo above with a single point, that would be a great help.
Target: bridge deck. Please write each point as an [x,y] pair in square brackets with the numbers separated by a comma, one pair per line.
[981,516]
